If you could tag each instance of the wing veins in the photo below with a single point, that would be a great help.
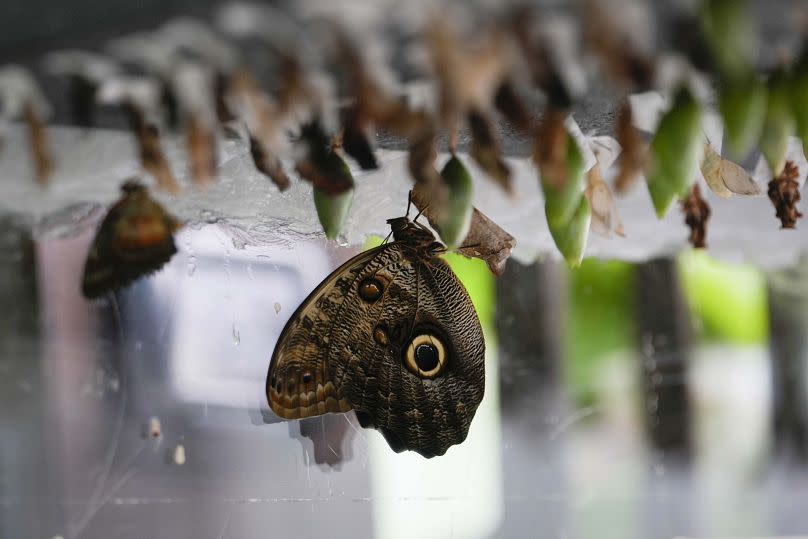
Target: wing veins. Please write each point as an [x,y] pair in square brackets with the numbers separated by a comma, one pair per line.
[380,302]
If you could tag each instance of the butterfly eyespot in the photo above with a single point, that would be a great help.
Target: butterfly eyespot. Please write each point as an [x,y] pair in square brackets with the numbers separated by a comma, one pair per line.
[425,355]
[371,289]
[306,377]
[380,336]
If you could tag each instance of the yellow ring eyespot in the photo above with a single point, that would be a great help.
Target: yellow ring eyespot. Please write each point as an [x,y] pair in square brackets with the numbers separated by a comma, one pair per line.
[426,355]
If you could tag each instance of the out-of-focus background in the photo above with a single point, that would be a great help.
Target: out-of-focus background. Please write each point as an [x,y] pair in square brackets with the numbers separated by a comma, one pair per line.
[661,399]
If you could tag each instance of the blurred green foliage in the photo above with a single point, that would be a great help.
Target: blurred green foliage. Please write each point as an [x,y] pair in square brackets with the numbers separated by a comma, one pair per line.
[728,301]
[599,322]
[479,282]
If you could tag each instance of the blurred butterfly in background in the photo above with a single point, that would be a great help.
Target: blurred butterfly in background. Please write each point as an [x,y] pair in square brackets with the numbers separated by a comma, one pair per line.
[135,238]
[392,335]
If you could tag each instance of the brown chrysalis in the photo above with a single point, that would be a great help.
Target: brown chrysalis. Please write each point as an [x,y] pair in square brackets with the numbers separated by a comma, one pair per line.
[201,144]
[322,166]
[697,214]
[43,165]
[550,147]
[784,192]
[152,157]
[634,156]
[134,239]
[486,151]
[269,164]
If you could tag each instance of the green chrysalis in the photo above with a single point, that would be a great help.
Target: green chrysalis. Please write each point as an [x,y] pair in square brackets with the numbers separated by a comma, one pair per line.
[675,152]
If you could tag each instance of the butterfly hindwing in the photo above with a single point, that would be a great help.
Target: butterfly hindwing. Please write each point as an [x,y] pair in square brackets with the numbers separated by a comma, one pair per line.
[423,301]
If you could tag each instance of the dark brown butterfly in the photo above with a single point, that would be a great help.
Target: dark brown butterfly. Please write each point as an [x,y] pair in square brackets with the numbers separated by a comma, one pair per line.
[393,335]
[134,239]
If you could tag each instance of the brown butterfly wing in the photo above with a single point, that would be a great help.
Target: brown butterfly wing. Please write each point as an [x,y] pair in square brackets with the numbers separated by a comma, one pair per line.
[357,347]
[423,297]
[300,381]
[134,239]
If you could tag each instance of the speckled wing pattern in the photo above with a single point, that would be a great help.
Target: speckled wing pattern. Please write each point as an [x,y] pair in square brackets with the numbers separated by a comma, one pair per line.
[340,352]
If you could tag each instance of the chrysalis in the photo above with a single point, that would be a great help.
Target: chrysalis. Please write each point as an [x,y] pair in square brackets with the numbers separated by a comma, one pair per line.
[779,123]
[457,219]
[675,152]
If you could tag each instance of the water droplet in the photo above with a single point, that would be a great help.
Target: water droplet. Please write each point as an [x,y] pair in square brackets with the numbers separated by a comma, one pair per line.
[155,429]
[236,336]
[277,307]
[648,345]
[179,455]
[208,217]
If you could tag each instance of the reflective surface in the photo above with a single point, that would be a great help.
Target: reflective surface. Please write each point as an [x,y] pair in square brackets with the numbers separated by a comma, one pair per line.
[80,383]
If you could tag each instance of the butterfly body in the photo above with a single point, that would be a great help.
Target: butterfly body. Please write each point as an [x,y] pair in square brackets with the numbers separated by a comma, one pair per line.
[393,335]
[134,239]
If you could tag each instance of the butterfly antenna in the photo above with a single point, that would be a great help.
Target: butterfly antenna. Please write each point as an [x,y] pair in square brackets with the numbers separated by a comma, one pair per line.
[420,212]
[409,203]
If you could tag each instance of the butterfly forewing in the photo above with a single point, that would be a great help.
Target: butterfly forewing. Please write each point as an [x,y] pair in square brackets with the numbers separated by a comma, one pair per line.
[300,382]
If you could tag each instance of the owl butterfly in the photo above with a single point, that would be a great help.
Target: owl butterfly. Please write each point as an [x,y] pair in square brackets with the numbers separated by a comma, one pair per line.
[391,334]
[134,239]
